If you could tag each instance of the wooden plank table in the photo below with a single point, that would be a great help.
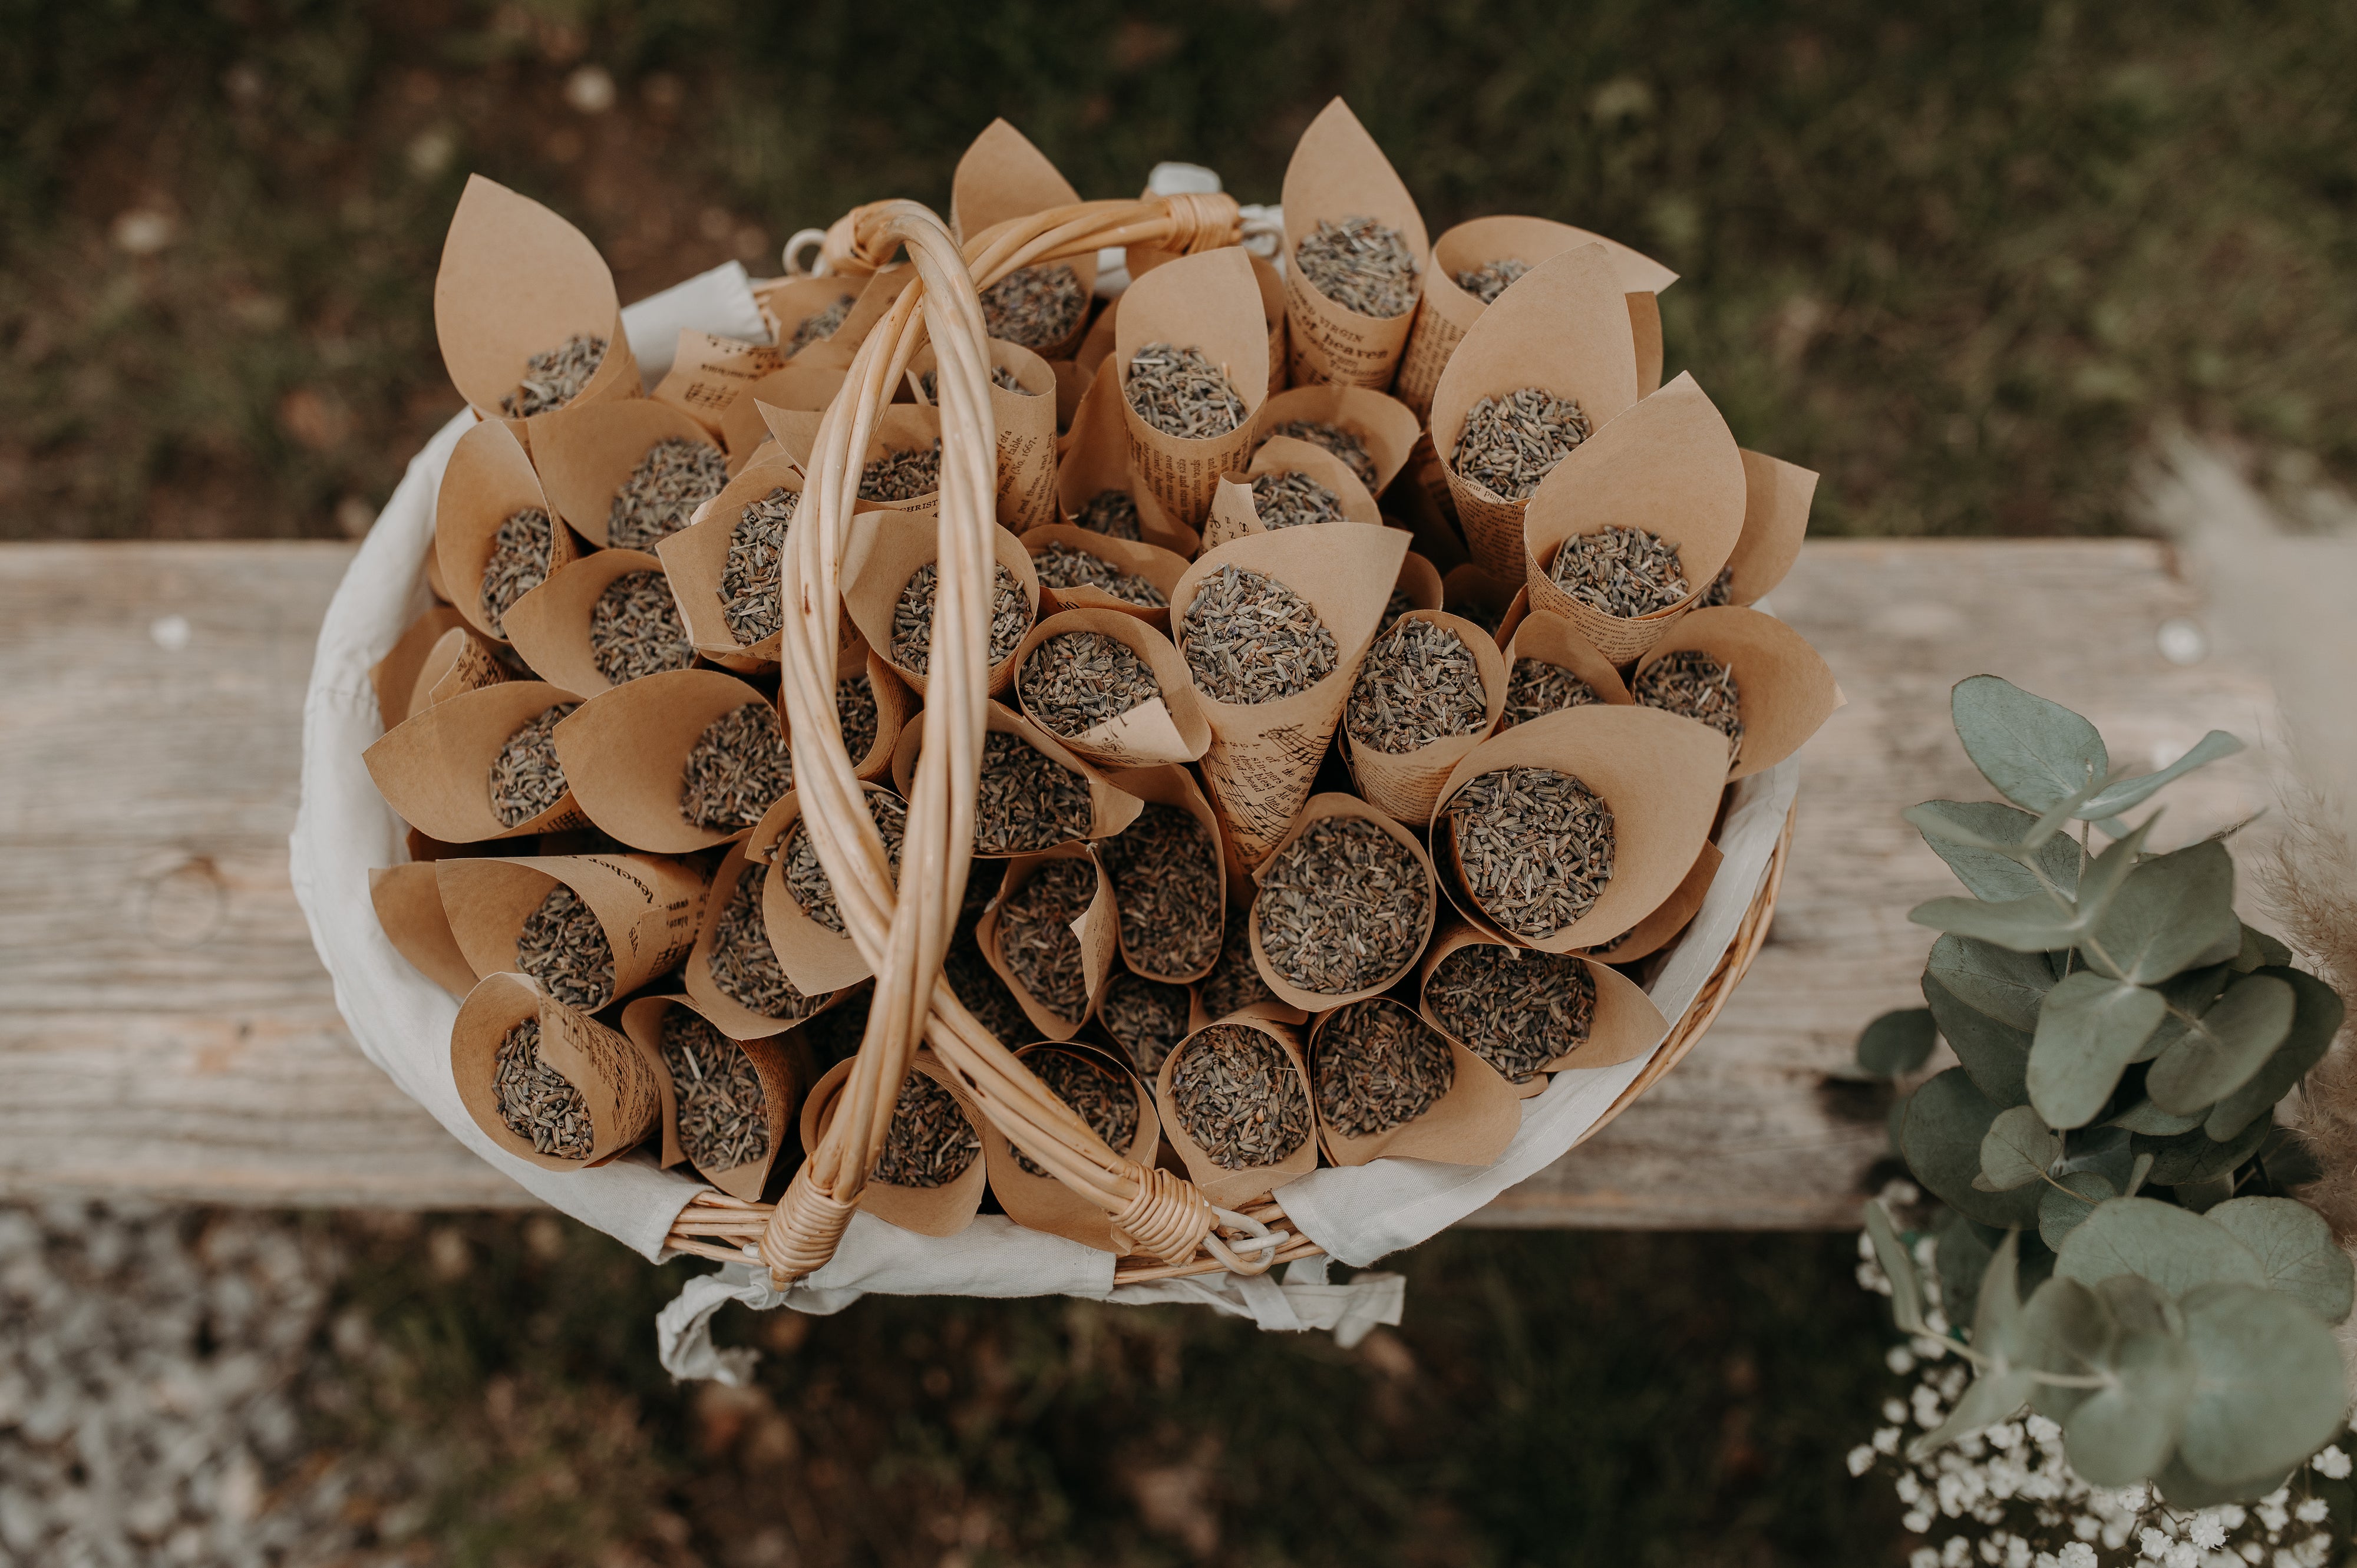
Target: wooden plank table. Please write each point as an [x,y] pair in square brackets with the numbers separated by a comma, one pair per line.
[165,1029]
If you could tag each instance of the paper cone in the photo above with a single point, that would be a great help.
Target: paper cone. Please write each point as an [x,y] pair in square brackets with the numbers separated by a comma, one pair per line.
[1003,176]
[1551,639]
[1161,567]
[1645,331]
[695,559]
[434,584]
[1385,426]
[941,1210]
[1236,513]
[1043,1203]
[408,903]
[1563,327]
[611,1072]
[1207,302]
[885,549]
[394,677]
[1669,466]
[1420,582]
[1658,775]
[1656,930]
[1096,343]
[1449,312]
[1775,496]
[1271,284]
[818,961]
[1339,172]
[463,660]
[1263,756]
[517,280]
[550,624]
[709,375]
[625,749]
[435,770]
[1110,808]
[1626,1024]
[1098,929]
[1166,728]
[1236,1188]
[783,1073]
[1319,808]
[792,301]
[1174,786]
[895,706]
[732,1018]
[1026,422]
[585,454]
[800,387]
[1097,457]
[902,427]
[488,480]
[1470,1124]
[648,906]
[1407,784]
[1782,689]
[1472,593]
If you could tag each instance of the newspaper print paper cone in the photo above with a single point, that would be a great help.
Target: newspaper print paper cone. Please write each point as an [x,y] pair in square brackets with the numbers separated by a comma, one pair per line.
[488,480]
[435,770]
[1111,808]
[1234,1188]
[517,280]
[1449,311]
[1384,425]
[611,1074]
[1208,302]
[408,902]
[1234,511]
[1026,422]
[1783,691]
[550,624]
[1469,1124]
[1670,467]
[1041,1202]
[1167,727]
[732,1018]
[1264,756]
[942,1210]
[1160,567]
[1097,929]
[695,559]
[1624,1025]
[463,660]
[800,387]
[885,551]
[709,375]
[781,1069]
[1775,496]
[1097,459]
[648,906]
[585,454]
[1175,785]
[625,753]
[1407,784]
[1319,808]
[1337,172]
[816,958]
[1003,176]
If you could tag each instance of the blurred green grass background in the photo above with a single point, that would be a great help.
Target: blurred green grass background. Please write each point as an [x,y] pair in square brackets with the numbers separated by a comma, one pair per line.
[1966,260]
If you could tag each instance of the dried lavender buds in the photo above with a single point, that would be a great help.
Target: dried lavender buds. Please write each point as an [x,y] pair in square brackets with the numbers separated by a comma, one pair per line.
[913,616]
[1490,279]
[525,776]
[756,549]
[1289,497]
[1103,1098]
[984,995]
[737,768]
[1691,682]
[1113,513]
[1027,801]
[902,476]
[1418,684]
[1146,1017]
[1180,392]
[723,1114]
[1361,264]
[554,376]
[1536,847]
[929,1143]
[521,550]
[1343,443]
[1249,639]
[1238,1096]
[672,480]
[1037,307]
[1000,377]
[1620,571]
[1061,566]
[745,966]
[807,877]
[1036,941]
[818,327]
[1515,1009]
[563,947]
[635,630]
[1075,680]
[1343,907]
[1537,688]
[1512,442]
[1720,592]
[1377,1066]
[1166,883]
[855,713]
[537,1102]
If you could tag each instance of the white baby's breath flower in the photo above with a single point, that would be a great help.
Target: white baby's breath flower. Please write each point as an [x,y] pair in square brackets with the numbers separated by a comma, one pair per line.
[1915,1523]
[1861,1459]
[1894,1411]
[1899,1360]
[2231,1515]
[2078,1554]
[2332,1463]
[2182,1554]
[1922,1557]
[1886,1438]
[2017,1552]
[2273,1514]
[2042,1431]
[2207,1531]
[2151,1543]
[2313,1511]
[1957,1552]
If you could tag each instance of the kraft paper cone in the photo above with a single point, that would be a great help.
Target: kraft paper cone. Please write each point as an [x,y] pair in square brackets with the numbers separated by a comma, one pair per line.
[1165,728]
[1470,1124]
[1072,385]
[1172,785]
[550,624]
[709,375]
[435,770]
[781,1069]
[585,455]
[1097,342]
[1420,582]
[1625,1025]
[1783,691]
[877,297]
[1207,302]
[517,280]
[1235,513]
[942,1210]
[1563,327]
[887,549]
[625,753]
[1097,459]
[733,1018]
[1450,312]
[1263,758]
[1658,774]
[1656,930]
[1003,176]
[1043,1203]
[423,849]
[1320,807]
[1235,1188]
[408,903]
[393,678]
[1161,567]
[792,301]
[902,427]
[1339,172]
[462,660]
[1111,808]
[1775,496]
[1098,929]
[818,961]
[1407,784]
[648,906]
[695,559]
[1645,331]
[1026,422]
[1470,592]
[434,584]
[895,706]
[1271,284]
[488,480]
[1384,425]
[800,387]
[1668,466]
[611,1073]
[1551,639]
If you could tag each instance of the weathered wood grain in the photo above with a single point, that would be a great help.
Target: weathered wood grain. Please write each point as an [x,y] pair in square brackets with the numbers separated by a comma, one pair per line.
[165,1029]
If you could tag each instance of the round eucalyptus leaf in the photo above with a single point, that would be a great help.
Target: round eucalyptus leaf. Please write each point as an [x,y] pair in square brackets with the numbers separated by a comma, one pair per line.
[2196,1157]
[2270,1390]
[1992,1396]
[2025,925]
[2139,1306]
[2173,913]
[2125,1432]
[1960,1261]
[2144,1116]
[2316,1012]
[1995,1054]
[2016,1150]
[2088,1031]
[2158,1242]
[1994,982]
[2189,995]
[2060,1210]
[2128,794]
[2202,1196]
[2063,1327]
[1981,839]
[2037,753]
[2224,1049]
[2185,1490]
[1897,1043]
[1940,1141]
[2295,1249]
[2261,951]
